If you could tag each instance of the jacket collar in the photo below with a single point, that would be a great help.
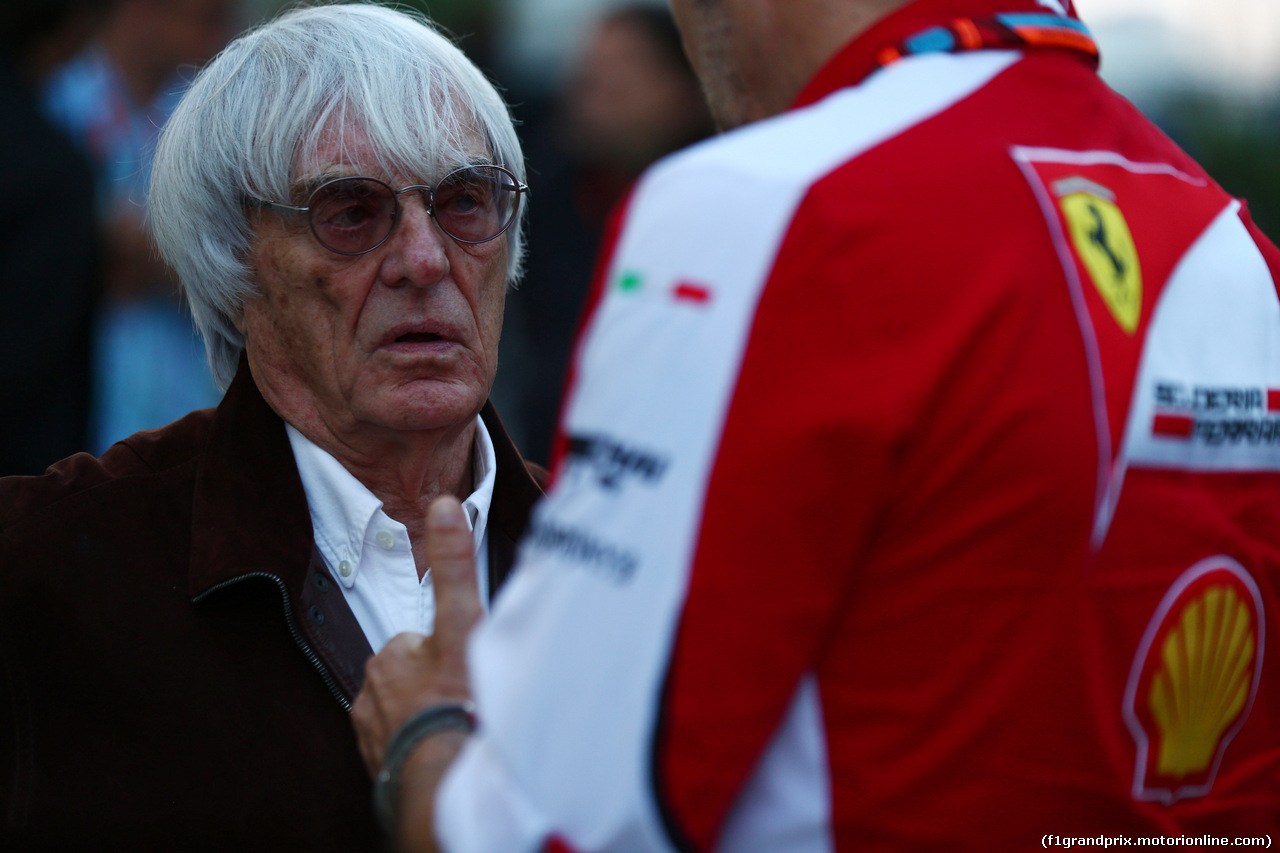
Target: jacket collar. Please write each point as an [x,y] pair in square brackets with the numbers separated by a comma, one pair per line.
[249,512]
[864,54]
[517,487]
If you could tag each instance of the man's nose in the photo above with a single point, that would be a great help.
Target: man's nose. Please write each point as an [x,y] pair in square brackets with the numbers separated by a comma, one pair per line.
[416,251]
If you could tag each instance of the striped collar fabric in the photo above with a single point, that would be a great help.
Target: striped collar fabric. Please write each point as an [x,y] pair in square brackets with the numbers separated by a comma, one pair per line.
[1016,31]
[928,26]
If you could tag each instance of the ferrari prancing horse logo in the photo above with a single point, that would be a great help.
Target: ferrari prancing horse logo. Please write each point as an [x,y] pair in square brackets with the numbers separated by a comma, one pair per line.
[1101,238]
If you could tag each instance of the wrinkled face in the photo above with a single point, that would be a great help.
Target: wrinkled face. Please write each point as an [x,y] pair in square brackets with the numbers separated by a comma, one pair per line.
[404,337]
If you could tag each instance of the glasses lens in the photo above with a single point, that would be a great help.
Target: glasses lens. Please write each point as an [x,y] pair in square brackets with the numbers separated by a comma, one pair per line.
[352,215]
[476,204]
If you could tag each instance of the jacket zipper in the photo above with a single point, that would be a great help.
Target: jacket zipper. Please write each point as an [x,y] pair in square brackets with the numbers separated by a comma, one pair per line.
[293,630]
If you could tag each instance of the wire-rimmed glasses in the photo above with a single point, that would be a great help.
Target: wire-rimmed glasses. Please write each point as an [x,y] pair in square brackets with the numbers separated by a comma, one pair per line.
[354,215]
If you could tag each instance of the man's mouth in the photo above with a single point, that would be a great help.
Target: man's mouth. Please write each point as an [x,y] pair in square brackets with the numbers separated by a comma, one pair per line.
[420,337]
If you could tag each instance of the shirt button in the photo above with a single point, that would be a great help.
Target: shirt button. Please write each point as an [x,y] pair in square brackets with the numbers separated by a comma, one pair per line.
[344,569]
[386,539]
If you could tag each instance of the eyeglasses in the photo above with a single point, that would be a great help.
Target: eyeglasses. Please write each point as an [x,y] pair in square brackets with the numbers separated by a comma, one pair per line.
[355,215]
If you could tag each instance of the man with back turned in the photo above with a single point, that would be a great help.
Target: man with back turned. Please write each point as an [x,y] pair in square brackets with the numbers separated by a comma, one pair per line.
[939,542]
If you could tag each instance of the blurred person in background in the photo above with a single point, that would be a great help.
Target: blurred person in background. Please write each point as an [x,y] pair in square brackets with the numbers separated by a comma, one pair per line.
[472,23]
[920,486]
[184,621]
[49,247]
[630,98]
[113,99]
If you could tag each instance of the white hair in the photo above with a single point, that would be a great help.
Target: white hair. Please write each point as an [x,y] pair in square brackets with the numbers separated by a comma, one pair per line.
[259,110]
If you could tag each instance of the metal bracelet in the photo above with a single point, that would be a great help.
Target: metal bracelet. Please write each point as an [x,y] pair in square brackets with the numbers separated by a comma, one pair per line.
[451,716]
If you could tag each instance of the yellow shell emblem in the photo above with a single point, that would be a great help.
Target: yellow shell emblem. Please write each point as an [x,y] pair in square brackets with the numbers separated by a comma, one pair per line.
[1194,679]
[1102,240]
[1204,679]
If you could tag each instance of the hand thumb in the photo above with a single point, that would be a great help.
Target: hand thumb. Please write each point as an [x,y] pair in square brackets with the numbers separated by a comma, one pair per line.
[451,555]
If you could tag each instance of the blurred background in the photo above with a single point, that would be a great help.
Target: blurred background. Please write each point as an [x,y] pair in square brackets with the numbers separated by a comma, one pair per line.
[93,341]
[1209,74]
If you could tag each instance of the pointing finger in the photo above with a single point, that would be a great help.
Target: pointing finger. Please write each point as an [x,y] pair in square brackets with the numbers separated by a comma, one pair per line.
[451,555]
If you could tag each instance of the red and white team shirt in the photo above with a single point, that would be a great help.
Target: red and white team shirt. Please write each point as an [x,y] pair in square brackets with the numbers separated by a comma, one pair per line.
[920,486]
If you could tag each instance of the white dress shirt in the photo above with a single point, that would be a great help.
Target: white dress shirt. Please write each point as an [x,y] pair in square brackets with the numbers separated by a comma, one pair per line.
[368,552]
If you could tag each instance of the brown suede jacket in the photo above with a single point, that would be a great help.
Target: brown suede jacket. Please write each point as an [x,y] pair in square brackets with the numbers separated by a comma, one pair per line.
[176,665]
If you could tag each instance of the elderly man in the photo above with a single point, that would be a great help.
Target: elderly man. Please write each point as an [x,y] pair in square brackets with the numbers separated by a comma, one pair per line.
[920,487]
[184,622]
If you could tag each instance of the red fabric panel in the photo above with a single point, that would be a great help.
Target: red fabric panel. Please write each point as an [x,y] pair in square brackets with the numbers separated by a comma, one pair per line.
[556,844]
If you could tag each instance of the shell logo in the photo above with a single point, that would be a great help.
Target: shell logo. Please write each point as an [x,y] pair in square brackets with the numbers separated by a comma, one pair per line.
[1194,678]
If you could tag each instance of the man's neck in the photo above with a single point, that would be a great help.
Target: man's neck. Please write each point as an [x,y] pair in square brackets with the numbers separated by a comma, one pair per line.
[406,469]
[811,32]
[757,55]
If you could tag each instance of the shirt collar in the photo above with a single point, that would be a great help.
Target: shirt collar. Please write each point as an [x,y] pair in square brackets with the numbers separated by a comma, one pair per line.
[861,56]
[484,475]
[343,509]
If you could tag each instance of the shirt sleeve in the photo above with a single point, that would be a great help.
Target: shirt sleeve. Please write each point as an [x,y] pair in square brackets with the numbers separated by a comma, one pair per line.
[488,811]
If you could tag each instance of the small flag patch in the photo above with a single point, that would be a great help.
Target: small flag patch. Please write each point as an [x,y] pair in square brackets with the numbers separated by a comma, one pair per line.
[556,844]
[629,282]
[1173,426]
[689,291]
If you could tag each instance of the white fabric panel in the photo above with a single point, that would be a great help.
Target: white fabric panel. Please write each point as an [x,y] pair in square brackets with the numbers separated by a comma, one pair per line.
[1205,333]
[1217,325]
[506,822]
[787,804]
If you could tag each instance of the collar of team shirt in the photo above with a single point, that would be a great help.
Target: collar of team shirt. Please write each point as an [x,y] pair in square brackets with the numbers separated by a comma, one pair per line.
[368,552]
